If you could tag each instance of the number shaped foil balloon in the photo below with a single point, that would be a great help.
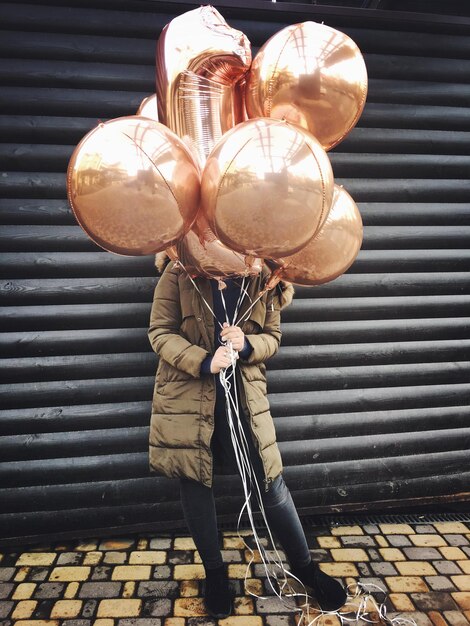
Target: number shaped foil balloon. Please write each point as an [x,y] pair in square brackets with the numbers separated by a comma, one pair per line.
[311,75]
[201,65]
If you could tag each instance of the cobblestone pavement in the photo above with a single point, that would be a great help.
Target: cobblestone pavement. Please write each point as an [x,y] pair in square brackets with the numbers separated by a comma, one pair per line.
[157,580]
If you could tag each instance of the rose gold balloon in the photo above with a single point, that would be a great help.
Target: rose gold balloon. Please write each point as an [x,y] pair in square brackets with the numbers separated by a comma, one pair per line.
[266,188]
[133,186]
[200,60]
[312,75]
[331,252]
[202,254]
[148,107]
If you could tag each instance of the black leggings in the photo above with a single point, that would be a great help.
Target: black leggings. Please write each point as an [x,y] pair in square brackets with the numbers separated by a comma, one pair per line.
[200,513]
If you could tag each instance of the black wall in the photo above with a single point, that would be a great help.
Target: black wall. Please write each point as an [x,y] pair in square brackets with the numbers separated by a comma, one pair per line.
[370,390]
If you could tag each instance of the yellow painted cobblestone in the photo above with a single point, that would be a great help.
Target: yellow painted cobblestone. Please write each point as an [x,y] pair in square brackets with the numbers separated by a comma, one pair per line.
[66,608]
[380,539]
[129,589]
[396,529]
[189,588]
[241,620]
[406,584]
[447,528]
[189,607]
[197,557]
[184,543]
[392,554]
[118,607]
[254,558]
[92,558]
[339,569]
[401,602]
[174,621]
[233,543]
[23,591]
[86,546]
[71,590]
[239,570]
[462,598]
[131,572]
[347,530]
[22,572]
[116,544]
[464,566]
[415,568]
[70,573]
[254,585]
[36,558]
[148,557]
[428,541]
[24,609]
[437,619]
[142,544]
[243,605]
[329,542]
[349,554]
[37,622]
[189,572]
[461,582]
[452,554]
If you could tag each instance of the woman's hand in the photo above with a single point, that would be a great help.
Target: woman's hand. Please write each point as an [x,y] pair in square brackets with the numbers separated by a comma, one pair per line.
[221,359]
[233,334]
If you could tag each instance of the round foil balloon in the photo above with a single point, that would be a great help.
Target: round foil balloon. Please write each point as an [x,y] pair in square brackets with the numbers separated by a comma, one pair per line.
[149,108]
[266,188]
[331,252]
[312,75]
[201,64]
[202,254]
[133,186]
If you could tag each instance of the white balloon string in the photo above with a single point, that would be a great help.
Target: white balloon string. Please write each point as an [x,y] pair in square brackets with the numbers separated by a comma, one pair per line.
[358,598]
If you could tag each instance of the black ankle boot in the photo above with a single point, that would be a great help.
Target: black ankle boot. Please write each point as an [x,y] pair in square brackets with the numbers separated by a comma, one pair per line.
[217,593]
[329,592]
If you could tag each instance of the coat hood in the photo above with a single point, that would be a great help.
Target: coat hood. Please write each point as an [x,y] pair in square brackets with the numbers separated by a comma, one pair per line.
[283,290]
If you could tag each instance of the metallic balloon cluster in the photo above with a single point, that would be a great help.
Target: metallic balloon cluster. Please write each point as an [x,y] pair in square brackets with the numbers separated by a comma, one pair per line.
[233,169]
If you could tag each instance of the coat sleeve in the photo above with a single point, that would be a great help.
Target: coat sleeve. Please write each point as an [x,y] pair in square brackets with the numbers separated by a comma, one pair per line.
[165,322]
[266,343]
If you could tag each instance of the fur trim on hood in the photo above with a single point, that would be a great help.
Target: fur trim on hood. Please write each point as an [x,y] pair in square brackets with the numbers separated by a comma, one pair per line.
[283,290]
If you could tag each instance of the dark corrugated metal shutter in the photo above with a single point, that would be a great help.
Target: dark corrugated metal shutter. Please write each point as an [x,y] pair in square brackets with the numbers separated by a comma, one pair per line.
[370,390]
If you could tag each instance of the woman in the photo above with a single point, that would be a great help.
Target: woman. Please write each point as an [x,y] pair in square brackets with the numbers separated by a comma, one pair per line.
[189,432]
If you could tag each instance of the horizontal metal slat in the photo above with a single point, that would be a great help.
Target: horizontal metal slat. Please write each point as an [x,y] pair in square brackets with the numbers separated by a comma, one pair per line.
[406,141]
[34,73]
[415,116]
[100,264]
[377,399]
[143,363]
[66,47]
[401,190]
[37,343]
[81,316]
[367,423]
[414,213]
[16,211]
[72,418]
[42,238]
[303,379]
[81,102]
[137,289]
[397,165]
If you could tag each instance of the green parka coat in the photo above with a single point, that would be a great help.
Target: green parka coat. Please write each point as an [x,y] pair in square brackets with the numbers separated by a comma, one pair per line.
[181,332]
